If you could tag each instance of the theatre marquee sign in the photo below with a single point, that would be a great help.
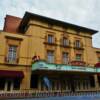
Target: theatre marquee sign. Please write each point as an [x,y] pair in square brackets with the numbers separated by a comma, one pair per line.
[42,65]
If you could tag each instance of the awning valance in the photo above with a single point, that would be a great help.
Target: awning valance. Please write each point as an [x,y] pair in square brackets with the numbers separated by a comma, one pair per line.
[11,74]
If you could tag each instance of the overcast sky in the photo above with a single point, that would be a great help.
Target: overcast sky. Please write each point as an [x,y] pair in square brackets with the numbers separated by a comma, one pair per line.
[80,12]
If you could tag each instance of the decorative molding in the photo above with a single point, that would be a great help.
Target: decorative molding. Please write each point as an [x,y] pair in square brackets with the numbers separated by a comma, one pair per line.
[60,31]
[13,38]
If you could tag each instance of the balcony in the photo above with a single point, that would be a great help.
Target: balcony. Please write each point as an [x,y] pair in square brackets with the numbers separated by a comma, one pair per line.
[51,44]
[50,40]
[78,46]
[66,45]
[11,61]
[42,65]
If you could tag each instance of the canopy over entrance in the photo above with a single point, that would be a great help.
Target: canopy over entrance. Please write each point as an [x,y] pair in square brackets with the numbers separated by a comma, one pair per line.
[44,66]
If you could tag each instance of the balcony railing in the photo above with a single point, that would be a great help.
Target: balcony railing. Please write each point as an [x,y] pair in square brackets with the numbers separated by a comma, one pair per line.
[79,46]
[65,45]
[11,61]
[51,43]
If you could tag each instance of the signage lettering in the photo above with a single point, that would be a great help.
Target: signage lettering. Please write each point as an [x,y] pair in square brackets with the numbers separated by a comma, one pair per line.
[44,65]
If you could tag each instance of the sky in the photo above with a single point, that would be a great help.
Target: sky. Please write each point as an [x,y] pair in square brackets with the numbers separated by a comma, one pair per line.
[80,12]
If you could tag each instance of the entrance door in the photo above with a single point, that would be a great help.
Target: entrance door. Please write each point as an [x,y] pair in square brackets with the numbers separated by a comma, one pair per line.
[9,84]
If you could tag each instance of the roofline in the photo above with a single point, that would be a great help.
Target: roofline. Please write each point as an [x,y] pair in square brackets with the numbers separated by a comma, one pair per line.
[28,16]
[7,15]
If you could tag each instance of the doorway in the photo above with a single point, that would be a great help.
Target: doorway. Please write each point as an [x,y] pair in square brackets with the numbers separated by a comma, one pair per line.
[9,85]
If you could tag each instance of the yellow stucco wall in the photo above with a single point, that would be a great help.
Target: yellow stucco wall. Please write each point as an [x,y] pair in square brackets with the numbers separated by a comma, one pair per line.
[32,43]
[38,31]
[23,58]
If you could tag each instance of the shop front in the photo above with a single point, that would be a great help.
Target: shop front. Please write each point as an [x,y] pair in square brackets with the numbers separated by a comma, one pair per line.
[10,80]
[58,77]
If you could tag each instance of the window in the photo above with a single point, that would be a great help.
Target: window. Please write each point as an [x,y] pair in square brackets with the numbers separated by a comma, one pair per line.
[65,58]
[98,59]
[65,42]
[77,44]
[50,56]
[78,57]
[12,53]
[50,39]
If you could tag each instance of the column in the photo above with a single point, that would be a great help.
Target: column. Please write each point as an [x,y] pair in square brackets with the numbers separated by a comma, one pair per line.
[76,83]
[60,84]
[58,55]
[96,82]
[25,84]
[6,85]
[72,52]
[39,84]
[88,83]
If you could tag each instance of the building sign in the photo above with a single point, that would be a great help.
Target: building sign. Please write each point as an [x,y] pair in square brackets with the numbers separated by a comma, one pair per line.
[42,65]
[78,63]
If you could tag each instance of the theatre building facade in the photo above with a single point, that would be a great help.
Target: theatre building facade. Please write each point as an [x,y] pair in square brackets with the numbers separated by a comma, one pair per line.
[38,53]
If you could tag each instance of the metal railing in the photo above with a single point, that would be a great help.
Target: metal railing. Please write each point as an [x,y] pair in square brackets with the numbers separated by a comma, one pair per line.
[44,94]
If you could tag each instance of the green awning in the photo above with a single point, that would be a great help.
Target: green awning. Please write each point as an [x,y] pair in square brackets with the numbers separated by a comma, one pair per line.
[42,65]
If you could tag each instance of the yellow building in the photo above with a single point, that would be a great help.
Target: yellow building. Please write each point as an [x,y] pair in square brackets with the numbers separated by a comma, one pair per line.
[45,54]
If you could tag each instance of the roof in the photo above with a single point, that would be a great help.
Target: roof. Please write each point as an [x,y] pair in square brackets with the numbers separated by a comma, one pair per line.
[11,24]
[52,21]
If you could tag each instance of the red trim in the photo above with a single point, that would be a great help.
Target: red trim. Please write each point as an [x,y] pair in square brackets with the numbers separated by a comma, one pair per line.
[36,58]
[11,74]
[97,64]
